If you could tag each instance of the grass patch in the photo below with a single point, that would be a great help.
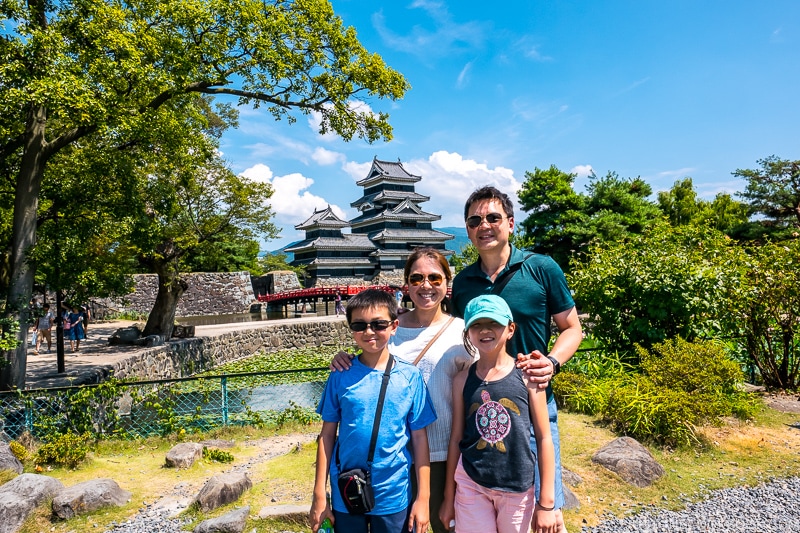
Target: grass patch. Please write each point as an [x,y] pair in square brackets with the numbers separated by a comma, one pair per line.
[738,453]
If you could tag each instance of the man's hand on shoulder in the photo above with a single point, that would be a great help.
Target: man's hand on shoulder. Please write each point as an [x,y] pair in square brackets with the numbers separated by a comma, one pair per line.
[538,369]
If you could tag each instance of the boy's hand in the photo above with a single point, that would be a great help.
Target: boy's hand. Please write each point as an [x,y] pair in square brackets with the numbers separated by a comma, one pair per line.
[536,368]
[342,361]
[320,510]
[421,515]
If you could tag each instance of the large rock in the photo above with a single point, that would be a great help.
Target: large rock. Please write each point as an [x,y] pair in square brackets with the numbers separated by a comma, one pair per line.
[8,461]
[20,496]
[232,522]
[629,460]
[222,489]
[570,500]
[128,335]
[184,455]
[89,496]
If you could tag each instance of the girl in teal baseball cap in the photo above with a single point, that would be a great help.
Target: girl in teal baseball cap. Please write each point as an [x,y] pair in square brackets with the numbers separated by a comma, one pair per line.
[490,465]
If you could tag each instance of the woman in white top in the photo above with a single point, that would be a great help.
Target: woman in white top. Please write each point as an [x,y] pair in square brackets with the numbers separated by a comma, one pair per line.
[430,328]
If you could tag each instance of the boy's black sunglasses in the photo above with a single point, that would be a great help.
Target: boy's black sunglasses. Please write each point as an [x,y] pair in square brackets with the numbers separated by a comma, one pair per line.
[434,278]
[492,218]
[375,325]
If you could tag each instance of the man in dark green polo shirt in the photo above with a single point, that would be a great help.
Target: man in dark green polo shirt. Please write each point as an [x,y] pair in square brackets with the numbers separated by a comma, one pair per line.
[535,289]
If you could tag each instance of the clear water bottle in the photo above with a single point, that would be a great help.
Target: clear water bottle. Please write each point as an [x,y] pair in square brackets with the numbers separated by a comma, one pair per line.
[326,526]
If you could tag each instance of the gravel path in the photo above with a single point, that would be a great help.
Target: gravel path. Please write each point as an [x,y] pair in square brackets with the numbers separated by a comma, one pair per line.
[772,507]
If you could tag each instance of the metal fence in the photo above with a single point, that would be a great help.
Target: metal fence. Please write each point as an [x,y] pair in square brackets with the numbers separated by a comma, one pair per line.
[123,409]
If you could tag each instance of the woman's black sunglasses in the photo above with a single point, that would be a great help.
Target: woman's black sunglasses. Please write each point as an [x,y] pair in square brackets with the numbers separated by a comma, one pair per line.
[375,325]
[492,218]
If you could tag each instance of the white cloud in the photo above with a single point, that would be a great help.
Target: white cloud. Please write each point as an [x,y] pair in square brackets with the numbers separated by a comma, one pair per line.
[315,118]
[633,85]
[538,113]
[447,38]
[357,171]
[531,51]
[324,157]
[291,201]
[448,179]
[582,171]
[463,76]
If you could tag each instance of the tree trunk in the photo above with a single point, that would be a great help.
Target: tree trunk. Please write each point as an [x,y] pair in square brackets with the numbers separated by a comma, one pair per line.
[170,289]
[23,238]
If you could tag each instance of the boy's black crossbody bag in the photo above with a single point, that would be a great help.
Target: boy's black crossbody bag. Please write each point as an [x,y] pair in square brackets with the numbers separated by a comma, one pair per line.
[355,485]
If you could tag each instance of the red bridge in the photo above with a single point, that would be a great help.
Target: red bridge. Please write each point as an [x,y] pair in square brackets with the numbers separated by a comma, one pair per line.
[325,293]
[302,298]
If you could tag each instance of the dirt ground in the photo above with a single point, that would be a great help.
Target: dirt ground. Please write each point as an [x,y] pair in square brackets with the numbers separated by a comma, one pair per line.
[786,403]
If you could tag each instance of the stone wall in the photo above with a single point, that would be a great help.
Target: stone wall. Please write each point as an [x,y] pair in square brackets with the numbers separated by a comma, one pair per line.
[209,293]
[189,356]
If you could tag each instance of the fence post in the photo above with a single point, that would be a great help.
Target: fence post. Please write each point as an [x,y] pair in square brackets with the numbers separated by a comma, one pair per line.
[224,383]
[29,415]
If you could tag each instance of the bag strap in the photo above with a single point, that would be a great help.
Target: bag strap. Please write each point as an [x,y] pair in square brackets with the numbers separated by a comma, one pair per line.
[376,424]
[498,287]
[384,385]
[430,342]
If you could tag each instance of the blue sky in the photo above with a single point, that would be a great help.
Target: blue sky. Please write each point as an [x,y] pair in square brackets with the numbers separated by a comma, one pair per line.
[661,90]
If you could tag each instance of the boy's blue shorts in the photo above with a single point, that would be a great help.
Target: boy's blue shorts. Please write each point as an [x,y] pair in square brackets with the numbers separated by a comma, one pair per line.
[364,523]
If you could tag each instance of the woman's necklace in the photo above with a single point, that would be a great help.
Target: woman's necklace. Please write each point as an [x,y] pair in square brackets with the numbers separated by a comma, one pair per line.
[432,321]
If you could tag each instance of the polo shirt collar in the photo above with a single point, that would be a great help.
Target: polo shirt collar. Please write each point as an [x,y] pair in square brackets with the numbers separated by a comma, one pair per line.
[516,256]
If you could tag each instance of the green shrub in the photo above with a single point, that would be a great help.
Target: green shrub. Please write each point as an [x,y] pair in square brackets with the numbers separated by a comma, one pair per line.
[679,386]
[67,450]
[640,409]
[217,455]
[295,414]
[19,451]
[667,282]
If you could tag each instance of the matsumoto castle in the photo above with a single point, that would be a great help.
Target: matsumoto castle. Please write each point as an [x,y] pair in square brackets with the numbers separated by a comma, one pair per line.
[389,226]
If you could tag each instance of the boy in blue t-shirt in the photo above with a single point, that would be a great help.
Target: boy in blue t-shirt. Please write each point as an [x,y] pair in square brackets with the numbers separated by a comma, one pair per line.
[349,404]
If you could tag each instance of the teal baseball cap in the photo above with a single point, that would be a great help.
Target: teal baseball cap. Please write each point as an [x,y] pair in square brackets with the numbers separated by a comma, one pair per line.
[487,306]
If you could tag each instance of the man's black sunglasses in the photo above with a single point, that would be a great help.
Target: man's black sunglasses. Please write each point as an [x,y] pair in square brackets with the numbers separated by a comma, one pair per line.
[492,218]
[375,325]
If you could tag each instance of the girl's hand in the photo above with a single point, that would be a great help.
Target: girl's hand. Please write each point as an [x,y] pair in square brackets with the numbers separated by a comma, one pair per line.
[342,362]
[447,512]
[419,517]
[544,521]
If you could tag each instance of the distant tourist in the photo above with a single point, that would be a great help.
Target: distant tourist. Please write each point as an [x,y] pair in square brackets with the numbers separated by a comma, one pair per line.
[76,333]
[398,295]
[44,326]
[339,309]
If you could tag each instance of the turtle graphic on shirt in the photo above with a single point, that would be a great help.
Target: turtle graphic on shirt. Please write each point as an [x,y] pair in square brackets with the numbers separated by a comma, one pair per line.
[492,420]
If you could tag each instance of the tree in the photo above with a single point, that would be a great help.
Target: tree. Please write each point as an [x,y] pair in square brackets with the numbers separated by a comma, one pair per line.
[81,68]
[682,207]
[765,312]
[553,204]
[612,209]
[207,206]
[774,192]
[680,204]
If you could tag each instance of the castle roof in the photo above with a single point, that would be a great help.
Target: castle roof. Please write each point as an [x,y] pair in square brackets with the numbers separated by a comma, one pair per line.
[324,218]
[348,241]
[405,210]
[387,171]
